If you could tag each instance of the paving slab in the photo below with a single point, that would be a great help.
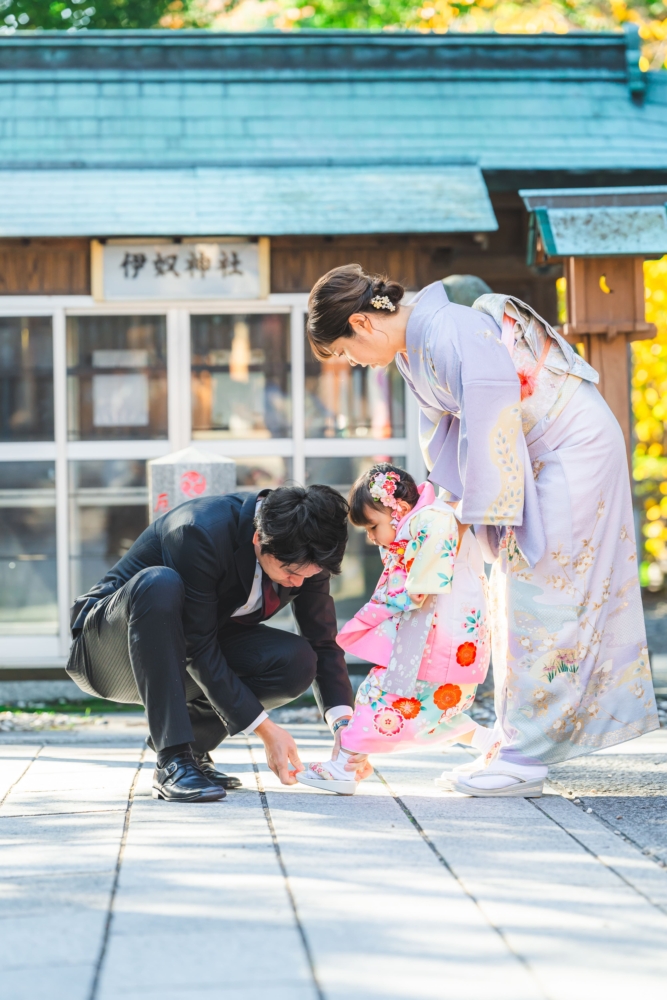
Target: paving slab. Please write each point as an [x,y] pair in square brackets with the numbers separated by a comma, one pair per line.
[201,903]
[400,892]
[582,929]
[14,762]
[383,917]
[85,779]
[61,825]
[624,786]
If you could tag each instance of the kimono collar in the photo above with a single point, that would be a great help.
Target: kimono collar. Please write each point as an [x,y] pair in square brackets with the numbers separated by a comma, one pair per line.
[426,303]
[426,498]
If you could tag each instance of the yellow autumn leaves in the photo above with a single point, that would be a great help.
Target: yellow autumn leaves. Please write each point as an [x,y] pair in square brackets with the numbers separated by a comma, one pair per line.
[649,409]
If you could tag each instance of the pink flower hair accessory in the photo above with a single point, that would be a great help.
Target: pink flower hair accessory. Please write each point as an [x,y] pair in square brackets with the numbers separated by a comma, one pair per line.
[383,487]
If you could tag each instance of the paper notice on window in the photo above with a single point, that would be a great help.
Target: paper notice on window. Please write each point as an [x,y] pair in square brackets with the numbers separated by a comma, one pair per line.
[120,400]
[120,359]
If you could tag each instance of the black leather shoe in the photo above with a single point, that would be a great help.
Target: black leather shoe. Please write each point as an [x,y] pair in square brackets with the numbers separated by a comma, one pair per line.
[205,763]
[183,781]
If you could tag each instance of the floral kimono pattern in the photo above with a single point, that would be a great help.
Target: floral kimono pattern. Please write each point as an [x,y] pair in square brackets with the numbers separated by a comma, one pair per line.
[544,480]
[426,629]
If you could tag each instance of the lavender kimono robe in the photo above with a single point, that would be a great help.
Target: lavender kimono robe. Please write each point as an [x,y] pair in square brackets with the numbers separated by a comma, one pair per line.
[552,507]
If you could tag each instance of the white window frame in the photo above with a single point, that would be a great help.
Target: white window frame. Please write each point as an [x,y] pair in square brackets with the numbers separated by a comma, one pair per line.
[47,650]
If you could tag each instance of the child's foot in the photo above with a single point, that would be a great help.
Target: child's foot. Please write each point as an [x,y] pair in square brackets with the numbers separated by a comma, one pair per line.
[330,776]
[486,740]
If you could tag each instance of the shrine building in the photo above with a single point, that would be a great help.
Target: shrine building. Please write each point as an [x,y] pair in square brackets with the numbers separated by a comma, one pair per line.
[169,198]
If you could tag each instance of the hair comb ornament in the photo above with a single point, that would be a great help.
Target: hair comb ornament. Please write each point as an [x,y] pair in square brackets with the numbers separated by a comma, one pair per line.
[383,302]
[382,487]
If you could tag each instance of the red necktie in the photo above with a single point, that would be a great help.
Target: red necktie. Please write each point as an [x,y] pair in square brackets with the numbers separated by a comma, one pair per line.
[270,599]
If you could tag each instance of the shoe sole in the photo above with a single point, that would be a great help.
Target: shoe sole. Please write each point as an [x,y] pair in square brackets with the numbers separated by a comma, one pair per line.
[198,797]
[520,790]
[337,787]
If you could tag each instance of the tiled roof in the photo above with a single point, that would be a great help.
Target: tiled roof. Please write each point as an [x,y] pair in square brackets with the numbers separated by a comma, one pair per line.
[245,201]
[161,100]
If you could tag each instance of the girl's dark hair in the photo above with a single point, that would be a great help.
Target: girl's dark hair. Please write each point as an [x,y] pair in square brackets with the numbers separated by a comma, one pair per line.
[338,295]
[303,527]
[360,498]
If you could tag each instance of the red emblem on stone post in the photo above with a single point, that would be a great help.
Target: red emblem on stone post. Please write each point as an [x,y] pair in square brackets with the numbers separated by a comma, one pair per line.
[193,484]
[162,503]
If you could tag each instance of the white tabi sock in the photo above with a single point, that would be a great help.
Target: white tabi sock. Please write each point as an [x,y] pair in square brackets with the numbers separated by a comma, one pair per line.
[483,738]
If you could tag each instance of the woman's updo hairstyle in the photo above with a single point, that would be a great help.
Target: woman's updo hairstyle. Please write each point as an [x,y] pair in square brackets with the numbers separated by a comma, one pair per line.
[338,295]
[361,500]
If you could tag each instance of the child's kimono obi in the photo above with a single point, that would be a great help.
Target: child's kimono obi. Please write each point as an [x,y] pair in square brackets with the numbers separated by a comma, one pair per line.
[426,628]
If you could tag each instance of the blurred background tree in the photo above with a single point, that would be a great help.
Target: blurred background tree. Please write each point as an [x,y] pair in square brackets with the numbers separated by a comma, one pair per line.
[649,404]
[77,15]
[506,16]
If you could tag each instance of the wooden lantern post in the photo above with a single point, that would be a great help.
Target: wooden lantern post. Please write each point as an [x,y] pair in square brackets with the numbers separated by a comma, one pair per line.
[605,312]
[603,236]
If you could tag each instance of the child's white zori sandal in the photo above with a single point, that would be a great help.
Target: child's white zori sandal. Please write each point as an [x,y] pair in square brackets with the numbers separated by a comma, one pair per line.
[503,779]
[329,777]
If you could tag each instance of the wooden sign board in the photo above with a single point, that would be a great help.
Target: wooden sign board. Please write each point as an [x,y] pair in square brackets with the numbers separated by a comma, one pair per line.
[159,270]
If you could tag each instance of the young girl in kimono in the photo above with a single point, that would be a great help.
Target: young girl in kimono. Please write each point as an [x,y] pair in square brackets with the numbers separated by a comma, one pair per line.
[425,627]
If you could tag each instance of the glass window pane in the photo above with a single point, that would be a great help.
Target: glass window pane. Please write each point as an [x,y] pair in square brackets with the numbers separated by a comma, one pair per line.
[353,402]
[260,471]
[361,564]
[26,379]
[241,376]
[28,578]
[108,512]
[117,377]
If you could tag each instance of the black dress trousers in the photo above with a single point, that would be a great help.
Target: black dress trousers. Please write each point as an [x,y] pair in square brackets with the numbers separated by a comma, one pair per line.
[132,649]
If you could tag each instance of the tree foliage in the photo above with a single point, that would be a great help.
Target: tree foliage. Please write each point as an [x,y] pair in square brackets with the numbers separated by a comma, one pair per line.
[505,16]
[77,15]
[649,408]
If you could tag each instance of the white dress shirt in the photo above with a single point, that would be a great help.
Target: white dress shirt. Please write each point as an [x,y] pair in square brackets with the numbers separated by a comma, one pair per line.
[253,603]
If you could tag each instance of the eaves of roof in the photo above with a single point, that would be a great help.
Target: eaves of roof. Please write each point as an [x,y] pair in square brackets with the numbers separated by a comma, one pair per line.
[331,55]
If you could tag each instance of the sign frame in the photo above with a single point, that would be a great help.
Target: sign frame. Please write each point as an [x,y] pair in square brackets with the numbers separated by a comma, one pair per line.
[97,265]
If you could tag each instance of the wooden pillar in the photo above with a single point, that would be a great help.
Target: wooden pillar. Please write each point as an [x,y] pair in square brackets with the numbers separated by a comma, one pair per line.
[605,308]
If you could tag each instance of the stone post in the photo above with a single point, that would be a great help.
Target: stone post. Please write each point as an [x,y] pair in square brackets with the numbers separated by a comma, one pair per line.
[187,475]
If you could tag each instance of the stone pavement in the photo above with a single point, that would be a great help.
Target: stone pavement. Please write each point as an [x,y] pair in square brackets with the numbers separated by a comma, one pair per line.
[400,892]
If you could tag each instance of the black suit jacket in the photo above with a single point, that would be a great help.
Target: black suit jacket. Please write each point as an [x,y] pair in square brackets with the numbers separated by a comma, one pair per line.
[208,542]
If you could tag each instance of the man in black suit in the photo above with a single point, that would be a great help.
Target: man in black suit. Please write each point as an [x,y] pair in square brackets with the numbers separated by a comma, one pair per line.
[175,626]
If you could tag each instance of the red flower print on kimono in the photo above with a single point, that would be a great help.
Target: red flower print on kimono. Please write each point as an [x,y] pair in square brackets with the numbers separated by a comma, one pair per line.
[388,722]
[466,654]
[447,696]
[408,707]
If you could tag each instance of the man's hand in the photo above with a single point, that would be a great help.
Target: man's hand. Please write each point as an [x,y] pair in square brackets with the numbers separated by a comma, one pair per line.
[356,761]
[281,751]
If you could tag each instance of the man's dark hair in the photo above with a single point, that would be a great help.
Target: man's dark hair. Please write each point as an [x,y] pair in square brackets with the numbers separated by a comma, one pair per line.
[304,526]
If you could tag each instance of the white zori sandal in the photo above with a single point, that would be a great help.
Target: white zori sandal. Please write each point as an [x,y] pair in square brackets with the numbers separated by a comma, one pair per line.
[488,741]
[317,776]
[501,779]
[448,777]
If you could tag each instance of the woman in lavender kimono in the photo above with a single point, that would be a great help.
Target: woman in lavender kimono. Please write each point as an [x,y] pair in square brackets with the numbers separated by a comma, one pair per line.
[525,448]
